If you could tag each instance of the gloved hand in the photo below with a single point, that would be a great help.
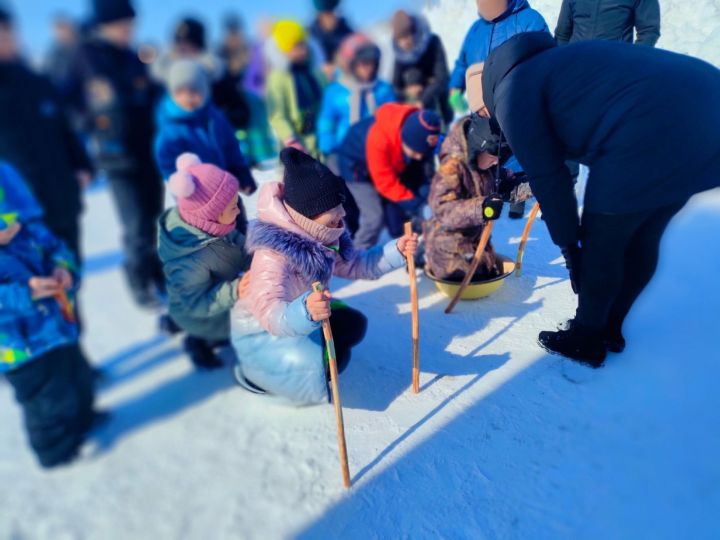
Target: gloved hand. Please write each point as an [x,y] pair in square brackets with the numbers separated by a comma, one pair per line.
[457,101]
[572,263]
[492,207]
[508,182]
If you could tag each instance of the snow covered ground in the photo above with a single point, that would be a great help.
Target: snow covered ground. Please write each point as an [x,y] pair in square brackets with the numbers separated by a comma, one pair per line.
[504,441]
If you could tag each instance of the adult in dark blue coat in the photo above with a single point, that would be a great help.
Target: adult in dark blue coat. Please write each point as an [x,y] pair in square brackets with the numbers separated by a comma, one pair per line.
[647,124]
[612,20]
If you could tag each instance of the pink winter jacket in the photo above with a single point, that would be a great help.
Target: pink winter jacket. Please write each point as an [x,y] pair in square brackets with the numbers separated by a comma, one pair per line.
[286,262]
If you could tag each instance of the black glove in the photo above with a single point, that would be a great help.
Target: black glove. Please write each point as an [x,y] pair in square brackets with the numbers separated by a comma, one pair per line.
[492,207]
[572,263]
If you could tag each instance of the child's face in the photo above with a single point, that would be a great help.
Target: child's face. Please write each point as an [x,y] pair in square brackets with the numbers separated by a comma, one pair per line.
[8,44]
[365,71]
[333,219]
[231,212]
[406,43]
[412,154]
[485,161]
[188,99]
[299,53]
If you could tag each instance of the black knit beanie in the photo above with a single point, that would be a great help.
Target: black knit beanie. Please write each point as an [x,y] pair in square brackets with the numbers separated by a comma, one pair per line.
[310,187]
[190,30]
[108,11]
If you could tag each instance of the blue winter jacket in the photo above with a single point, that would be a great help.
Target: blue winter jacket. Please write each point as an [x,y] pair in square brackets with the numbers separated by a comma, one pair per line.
[205,132]
[29,328]
[334,119]
[484,36]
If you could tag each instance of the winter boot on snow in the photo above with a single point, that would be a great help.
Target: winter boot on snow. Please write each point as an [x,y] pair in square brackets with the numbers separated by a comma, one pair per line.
[517,210]
[577,342]
[201,353]
[614,340]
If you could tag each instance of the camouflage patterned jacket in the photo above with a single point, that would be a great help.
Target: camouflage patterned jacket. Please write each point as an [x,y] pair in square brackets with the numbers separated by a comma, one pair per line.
[456,196]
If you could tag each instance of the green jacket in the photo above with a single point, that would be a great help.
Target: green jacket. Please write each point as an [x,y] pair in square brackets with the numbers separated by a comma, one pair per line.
[285,116]
[202,274]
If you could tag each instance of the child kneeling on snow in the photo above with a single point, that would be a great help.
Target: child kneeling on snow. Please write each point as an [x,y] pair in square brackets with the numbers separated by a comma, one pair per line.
[39,351]
[299,238]
[203,255]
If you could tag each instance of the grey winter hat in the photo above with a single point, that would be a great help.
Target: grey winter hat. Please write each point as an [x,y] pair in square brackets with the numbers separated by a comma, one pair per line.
[190,74]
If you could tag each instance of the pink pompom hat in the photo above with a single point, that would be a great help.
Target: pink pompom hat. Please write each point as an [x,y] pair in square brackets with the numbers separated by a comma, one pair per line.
[203,191]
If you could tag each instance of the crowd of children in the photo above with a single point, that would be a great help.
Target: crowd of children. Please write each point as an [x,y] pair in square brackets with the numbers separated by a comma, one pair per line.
[358,155]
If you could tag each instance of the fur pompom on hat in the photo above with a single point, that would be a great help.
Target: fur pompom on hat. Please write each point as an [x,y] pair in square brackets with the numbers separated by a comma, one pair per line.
[203,192]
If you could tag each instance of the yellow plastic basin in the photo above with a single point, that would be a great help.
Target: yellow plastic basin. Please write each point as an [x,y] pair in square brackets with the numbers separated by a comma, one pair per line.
[476,289]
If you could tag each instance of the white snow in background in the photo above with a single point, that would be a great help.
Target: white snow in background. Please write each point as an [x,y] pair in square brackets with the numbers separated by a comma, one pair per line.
[504,441]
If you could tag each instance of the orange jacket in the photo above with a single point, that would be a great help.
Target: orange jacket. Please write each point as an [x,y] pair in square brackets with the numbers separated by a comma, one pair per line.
[384,154]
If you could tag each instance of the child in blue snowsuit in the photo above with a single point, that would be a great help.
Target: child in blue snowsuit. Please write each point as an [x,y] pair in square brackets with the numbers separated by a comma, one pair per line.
[498,21]
[189,122]
[39,352]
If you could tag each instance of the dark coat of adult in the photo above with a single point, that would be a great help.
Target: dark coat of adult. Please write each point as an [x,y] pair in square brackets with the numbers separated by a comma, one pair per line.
[645,121]
[426,61]
[330,41]
[36,138]
[114,95]
[611,20]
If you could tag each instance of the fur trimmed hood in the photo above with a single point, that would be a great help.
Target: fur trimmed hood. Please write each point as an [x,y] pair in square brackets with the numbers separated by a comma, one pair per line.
[306,256]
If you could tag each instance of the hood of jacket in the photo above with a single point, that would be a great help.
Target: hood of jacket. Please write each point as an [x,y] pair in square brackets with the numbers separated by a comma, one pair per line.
[502,60]
[513,6]
[179,239]
[422,37]
[17,203]
[274,229]
[455,144]
[389,120]
[169,111]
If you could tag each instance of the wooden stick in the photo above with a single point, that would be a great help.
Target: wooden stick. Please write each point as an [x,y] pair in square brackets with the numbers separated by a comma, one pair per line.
[66,307]
[484,239]
[415,317]
[524,239]
[332,361]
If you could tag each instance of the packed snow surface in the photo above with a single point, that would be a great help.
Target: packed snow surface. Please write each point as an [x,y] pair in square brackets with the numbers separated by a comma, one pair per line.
[504,441]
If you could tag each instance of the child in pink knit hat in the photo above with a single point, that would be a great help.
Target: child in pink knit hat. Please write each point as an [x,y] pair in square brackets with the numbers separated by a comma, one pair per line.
[203,255]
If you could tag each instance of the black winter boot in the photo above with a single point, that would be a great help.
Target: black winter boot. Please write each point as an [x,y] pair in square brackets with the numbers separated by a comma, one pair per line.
[614,340]
[576,342]
[201,353]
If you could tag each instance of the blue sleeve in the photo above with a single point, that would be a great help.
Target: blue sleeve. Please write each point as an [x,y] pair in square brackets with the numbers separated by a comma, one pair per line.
[457,77]
[234,156]
[166,152]
[15,301]
[533,22]
[385,94]
[56,252]
[297,317]
[326,122]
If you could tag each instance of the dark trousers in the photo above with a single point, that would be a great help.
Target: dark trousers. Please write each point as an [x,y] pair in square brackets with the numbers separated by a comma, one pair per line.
[56,394]
[619,258]
[139,201]
[365,215]
[348,327]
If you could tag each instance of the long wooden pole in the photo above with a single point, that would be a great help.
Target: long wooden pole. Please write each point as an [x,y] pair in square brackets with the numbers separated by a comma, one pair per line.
[484,239]
[332,361]
[415,317]
[524,239]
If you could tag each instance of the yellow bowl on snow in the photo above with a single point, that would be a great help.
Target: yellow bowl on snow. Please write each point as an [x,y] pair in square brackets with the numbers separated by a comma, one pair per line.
[475,289]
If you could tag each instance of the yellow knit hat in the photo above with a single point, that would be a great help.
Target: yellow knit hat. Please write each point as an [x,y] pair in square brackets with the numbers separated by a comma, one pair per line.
[287,34]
